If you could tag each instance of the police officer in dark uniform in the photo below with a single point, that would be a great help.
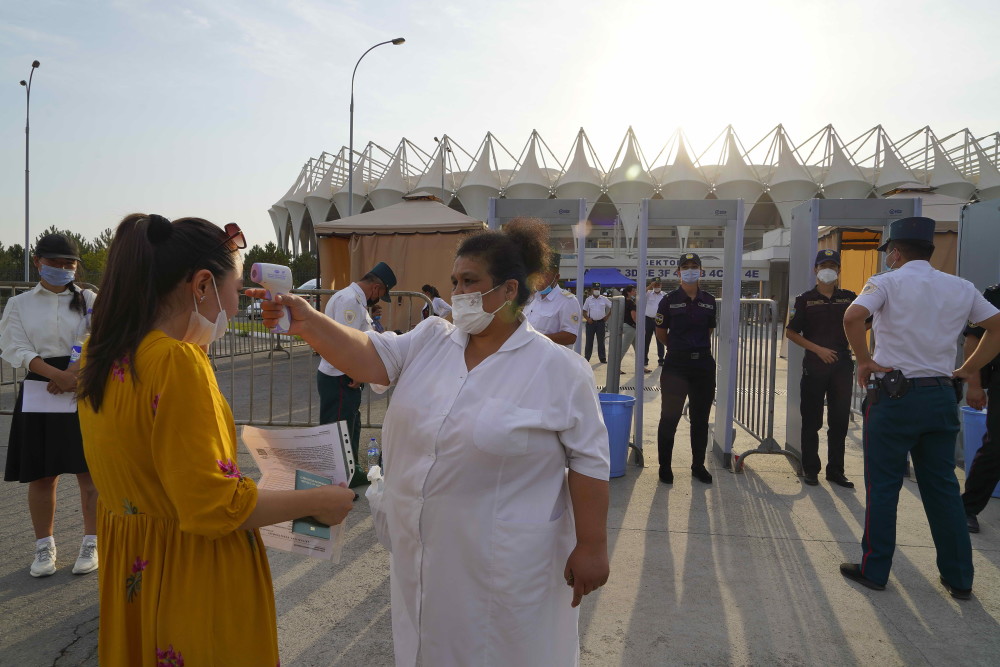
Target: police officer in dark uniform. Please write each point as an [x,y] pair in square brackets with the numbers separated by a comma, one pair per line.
[685,319]
[817,324]
[912,405]
[985,471]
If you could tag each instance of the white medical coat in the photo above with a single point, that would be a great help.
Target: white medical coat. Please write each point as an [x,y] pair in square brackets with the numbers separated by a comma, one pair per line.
[476,501]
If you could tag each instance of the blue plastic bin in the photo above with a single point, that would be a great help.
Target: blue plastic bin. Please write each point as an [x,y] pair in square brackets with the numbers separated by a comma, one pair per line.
[617,411]
[973,430]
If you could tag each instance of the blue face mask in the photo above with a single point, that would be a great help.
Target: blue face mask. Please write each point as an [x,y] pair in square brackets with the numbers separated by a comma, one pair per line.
[56,276]
[545,291]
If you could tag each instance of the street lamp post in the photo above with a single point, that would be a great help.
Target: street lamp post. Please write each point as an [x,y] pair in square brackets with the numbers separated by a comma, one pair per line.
[350,151]
[27,112]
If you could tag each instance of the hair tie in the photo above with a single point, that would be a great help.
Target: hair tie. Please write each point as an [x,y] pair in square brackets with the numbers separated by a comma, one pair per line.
[159,229]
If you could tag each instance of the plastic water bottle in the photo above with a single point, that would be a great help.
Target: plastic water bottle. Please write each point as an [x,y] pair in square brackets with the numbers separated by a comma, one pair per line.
[374,454]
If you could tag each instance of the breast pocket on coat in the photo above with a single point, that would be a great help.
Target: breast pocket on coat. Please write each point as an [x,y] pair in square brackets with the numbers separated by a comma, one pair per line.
[502,429]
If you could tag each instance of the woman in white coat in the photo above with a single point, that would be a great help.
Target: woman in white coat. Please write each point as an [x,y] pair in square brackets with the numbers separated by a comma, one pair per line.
[493,543]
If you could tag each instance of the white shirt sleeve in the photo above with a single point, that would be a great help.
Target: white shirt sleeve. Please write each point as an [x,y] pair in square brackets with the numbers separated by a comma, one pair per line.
[396,350]
[569,316]
[15,347]
[586,439]
[872,297]
[981,308]
[441,307]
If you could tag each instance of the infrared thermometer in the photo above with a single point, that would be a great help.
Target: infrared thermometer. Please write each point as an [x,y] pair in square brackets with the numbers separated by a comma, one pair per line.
[275,279]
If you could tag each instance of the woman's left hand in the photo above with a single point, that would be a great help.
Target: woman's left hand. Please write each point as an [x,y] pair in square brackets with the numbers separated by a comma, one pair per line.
[587,569]
[64,381]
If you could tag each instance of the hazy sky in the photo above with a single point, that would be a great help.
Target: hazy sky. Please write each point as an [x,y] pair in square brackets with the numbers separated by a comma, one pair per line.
[210,107]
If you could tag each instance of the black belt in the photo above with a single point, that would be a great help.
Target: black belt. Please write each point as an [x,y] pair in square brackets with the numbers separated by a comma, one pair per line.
[938,381]
[690,354]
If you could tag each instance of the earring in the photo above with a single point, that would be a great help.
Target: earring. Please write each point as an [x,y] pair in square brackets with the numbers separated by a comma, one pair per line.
[202,298]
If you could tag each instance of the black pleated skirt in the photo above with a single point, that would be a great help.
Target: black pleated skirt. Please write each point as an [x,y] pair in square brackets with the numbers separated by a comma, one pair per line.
[43,444]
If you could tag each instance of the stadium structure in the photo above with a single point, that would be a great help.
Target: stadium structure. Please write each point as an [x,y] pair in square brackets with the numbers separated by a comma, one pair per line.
[772,176]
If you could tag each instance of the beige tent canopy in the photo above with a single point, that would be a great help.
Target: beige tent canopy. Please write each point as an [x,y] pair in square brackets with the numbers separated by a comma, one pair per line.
[417,238]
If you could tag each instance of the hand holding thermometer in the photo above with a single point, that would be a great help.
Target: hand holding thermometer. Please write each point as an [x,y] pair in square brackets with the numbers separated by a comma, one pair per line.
[276,279]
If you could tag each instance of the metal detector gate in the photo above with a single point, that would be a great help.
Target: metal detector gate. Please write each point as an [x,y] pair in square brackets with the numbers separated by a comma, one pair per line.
[979,243]
[726,213]
[807,218]
[567,212]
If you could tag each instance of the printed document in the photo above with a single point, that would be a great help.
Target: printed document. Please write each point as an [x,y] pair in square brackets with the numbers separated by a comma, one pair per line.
[290,458]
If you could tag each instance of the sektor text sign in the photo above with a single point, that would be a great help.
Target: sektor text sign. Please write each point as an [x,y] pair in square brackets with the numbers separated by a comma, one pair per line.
[708,273]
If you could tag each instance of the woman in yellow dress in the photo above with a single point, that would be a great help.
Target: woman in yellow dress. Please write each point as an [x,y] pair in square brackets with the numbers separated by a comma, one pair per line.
[184,577]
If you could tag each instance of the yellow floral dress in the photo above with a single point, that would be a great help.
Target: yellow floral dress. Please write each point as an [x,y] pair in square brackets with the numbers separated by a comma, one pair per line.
[180,584]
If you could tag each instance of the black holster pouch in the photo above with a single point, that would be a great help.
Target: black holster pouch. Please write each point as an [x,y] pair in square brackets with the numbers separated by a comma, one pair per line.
[895,384]
[871,391]
[956,384]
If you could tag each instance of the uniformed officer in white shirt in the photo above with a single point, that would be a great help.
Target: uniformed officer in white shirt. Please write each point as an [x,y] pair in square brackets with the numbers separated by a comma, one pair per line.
[552,311]
[912,405]
[339,395]
[654,293]
[596,311]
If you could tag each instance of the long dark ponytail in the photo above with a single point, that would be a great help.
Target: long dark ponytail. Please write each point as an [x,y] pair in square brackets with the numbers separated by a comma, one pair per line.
[148,258]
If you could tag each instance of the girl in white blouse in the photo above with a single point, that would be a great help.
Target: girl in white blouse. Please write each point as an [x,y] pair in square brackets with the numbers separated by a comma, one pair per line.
[493,542]
[38,332]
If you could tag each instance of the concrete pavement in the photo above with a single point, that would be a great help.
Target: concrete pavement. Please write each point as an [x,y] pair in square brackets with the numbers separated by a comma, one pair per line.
[742,572]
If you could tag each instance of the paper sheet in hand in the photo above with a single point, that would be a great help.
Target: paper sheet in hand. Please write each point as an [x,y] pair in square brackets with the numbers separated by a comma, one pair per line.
[38,399]
[323,451]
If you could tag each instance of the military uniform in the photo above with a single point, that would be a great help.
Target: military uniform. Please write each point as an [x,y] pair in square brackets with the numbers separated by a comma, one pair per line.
[820,320]
[688,373]
[597,309]
[338,400]
[985,471]
[554,312]
[918,316]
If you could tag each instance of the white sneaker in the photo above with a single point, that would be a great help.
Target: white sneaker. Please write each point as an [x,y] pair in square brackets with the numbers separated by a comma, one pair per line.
[45,561]
[87,560]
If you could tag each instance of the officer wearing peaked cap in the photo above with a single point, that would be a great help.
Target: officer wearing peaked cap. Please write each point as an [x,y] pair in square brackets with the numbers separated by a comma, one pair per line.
[911,405]
[817,325]
[596,311]
[552,311]
[339,394]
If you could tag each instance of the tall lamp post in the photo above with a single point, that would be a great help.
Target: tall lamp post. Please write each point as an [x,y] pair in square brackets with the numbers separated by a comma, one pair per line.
[350,151]
[27,112]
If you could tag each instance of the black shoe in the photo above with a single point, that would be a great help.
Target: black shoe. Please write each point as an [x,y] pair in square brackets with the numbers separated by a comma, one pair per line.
[853,572]
[810,479]
[666,475]
[839,480]
[604,361]
[957,593]
[659,362]
[972,522]
[701,474]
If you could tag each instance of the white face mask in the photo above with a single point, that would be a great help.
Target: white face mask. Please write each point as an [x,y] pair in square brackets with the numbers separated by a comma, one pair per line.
[200,329]
[827,276]
[467,311]
[690,276]
[596,292]
[656,290]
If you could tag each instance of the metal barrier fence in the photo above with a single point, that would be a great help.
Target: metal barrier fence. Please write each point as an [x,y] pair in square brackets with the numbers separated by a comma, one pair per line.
[758,338]
[268,379]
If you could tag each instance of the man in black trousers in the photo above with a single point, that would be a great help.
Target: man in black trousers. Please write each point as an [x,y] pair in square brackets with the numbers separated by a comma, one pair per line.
[985,471]
[817,325]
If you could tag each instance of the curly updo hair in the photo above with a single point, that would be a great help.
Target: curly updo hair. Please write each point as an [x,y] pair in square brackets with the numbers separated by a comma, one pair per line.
[519,250]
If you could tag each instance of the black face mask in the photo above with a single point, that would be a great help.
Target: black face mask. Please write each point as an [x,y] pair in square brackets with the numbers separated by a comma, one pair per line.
[372,302]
